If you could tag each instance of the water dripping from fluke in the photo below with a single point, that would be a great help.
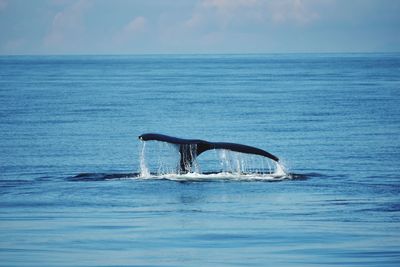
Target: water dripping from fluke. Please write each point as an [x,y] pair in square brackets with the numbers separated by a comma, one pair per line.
[166,157]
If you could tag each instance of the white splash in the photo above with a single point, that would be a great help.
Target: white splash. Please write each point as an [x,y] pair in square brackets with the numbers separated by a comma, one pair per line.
[240,163]
[158,157]
[280,170]
[144,171]
[164,161]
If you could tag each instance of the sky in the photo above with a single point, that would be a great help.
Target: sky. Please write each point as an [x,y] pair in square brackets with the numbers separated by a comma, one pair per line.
[198,26]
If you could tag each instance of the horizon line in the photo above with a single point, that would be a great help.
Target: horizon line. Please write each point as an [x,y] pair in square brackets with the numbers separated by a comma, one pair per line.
[196,53]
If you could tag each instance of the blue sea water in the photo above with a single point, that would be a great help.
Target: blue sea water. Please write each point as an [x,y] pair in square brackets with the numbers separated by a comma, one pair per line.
[70,193]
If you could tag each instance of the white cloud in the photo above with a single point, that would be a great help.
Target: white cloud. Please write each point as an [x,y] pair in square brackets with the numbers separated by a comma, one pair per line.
[219,13]
[223,14]
[67,26]
[297,11]
[136,25]
[246,24]
[131,30]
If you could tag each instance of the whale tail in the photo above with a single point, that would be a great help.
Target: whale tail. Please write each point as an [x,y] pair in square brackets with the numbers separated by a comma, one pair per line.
[189,149]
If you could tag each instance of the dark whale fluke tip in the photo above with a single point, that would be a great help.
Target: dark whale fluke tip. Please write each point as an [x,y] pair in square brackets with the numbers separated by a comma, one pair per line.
[191,148]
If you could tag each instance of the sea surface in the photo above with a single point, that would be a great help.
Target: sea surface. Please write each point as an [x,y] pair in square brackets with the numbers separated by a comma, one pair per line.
[73,193]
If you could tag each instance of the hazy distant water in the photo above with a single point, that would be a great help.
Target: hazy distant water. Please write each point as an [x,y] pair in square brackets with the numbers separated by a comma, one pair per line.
[68,123]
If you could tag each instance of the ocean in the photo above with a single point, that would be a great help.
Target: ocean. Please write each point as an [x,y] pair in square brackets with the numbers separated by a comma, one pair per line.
[73,190]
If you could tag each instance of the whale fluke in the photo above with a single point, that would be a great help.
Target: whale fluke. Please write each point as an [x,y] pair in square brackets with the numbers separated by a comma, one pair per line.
[191,148]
